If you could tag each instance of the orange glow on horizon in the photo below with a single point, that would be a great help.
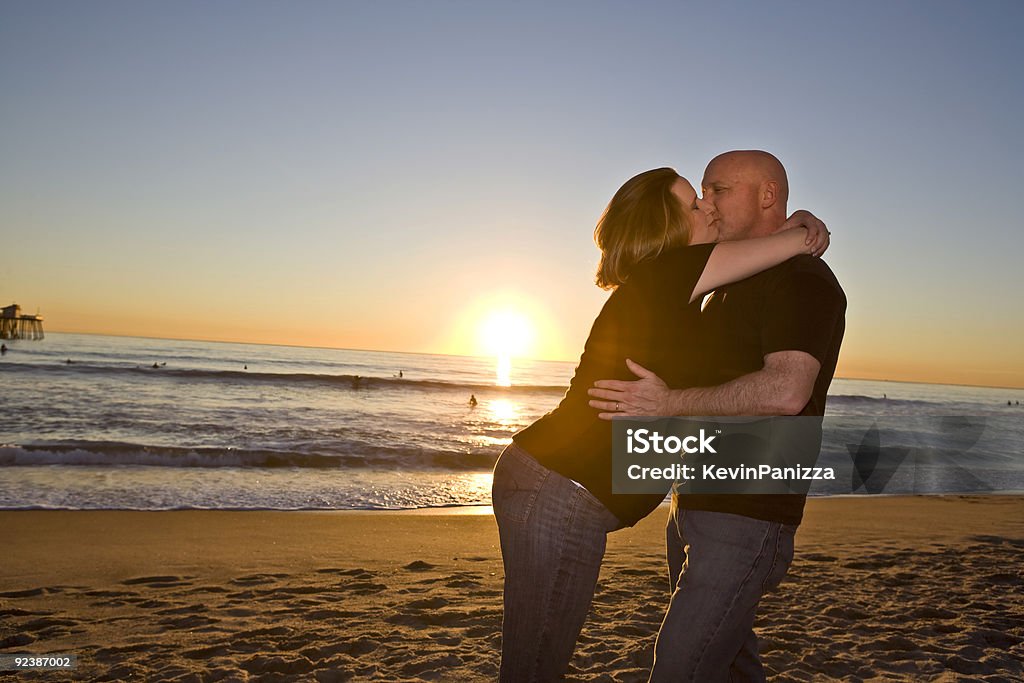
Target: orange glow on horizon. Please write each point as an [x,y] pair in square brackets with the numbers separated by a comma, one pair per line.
[993,362]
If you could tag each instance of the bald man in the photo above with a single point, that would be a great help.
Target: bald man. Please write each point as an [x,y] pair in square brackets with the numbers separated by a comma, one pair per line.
[770,344]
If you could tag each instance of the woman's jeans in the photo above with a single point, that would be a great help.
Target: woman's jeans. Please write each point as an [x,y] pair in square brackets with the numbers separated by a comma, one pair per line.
[553,536]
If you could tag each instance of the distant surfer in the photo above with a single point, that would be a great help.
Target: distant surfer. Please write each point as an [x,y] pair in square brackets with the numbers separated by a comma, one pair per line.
[155,365]
[245,367]
[69,361]
[472,401]
[3,349]
[400,375]
[355,381]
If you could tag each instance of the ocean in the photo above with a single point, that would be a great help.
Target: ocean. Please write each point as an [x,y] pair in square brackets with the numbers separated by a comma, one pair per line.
[244,426]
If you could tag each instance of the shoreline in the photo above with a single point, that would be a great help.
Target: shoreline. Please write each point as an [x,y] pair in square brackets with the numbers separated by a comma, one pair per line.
[486,510]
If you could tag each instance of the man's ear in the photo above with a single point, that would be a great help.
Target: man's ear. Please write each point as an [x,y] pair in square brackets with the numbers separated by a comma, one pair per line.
[769,194]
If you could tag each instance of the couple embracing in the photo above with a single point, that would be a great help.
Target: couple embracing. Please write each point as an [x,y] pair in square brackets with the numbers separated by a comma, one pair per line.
[764,343]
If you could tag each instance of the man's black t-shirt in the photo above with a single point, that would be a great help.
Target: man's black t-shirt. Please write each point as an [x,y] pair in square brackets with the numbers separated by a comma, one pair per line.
[795,306]
[649,320]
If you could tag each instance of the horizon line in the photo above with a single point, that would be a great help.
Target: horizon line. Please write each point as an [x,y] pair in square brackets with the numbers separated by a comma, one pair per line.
[459,355]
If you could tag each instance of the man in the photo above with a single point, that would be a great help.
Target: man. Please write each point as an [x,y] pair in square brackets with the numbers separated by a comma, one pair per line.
[770,344]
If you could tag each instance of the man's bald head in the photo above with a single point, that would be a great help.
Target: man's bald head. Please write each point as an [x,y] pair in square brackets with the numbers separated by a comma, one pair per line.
[749,191]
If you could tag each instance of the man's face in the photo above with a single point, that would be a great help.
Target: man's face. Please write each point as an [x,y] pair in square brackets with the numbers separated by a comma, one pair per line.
[734,193]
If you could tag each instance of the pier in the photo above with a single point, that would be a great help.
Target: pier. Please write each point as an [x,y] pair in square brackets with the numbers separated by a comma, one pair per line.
[14,325]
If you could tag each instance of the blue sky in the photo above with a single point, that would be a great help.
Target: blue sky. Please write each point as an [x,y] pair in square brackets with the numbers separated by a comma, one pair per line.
[386,171]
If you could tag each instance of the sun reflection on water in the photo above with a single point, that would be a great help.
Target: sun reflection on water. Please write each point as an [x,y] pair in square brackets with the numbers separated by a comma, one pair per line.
[504,411]
[482,480]
[504,370]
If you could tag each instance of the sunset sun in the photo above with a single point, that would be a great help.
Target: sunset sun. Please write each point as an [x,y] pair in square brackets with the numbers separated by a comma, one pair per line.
[506,334]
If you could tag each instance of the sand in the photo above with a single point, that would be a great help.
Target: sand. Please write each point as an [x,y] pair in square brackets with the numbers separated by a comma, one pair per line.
[885,588]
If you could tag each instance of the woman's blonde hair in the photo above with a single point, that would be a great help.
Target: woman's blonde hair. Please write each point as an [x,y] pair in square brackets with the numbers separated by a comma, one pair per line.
[643,219]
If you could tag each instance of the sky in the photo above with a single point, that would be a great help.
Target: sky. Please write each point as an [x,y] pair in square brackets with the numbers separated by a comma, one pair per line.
[387,175]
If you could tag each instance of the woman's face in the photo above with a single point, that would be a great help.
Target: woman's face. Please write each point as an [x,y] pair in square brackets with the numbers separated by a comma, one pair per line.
[702,232]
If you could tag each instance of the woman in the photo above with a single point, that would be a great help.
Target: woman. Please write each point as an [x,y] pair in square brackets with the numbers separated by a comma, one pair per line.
[552,491]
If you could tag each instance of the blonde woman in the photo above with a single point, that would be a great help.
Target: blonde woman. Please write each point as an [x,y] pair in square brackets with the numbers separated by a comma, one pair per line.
[552,491]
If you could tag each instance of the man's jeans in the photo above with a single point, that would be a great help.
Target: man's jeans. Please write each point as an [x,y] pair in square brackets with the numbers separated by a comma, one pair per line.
[719,567]
[553,536]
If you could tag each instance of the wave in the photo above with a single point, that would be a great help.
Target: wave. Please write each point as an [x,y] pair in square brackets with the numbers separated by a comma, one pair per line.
[352,381]
[836,401]
[860,399]
[118,453]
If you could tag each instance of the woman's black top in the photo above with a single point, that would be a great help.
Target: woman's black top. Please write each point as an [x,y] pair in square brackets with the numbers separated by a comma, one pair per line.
[647,319]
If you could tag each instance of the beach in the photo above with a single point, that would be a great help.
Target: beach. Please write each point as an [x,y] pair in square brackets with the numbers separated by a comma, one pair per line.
[913,588]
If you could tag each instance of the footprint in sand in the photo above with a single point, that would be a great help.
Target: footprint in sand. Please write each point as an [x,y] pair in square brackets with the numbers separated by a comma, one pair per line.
[428,603]
[930,613]
[997,639]
[30,593]
[107,653]
[159,581]
[108,594]
[357,571]
[148,603]
[16,640]
[430,665]
[186,609]
[323,614]
[361,588]
[817,557]
[208,652]
[481,631]
[46,623]
[255,579]
[419,566]
[1004,578]
[277,665]
[358,647]
[189,623]
[297,590]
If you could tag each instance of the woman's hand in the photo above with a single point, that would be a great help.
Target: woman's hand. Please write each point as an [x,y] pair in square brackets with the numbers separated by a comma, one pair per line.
[817,234]
[648,395]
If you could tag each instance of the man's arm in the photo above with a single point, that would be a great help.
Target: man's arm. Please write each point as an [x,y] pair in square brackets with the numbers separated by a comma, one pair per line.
[782,387]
